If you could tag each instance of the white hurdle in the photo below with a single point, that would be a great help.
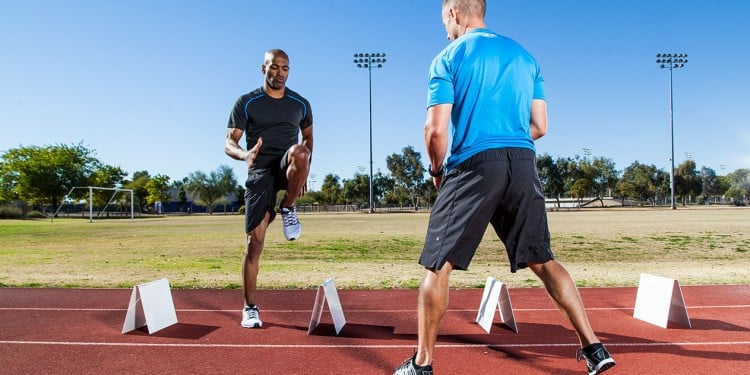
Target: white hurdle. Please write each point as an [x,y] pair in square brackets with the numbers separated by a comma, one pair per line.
[495,297]
[659,301]
[327,293]
[150,305]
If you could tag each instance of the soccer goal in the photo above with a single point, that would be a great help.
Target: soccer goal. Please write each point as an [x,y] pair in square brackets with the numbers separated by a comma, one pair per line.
[91,200]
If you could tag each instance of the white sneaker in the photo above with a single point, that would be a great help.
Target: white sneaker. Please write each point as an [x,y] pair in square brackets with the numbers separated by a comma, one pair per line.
[251,317]
[292,227]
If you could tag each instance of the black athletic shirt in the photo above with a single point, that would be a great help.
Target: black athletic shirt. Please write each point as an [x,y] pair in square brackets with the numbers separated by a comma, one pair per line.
[277,121]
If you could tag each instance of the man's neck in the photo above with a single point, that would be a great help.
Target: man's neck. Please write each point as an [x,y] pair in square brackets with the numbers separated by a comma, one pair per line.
[475,23]
[274,93]
[472,24]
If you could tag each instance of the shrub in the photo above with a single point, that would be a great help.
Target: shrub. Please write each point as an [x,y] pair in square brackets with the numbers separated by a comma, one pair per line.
[10,212]
[35,215]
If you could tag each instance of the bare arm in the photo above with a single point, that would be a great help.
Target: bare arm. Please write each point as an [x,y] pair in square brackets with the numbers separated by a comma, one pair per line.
[307,139]
[436,136]
[538,123]
[233,149]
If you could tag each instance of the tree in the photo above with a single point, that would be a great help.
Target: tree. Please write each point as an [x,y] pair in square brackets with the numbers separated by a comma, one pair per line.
[213,188]
[381,186]
[572,175]
[724,184]
[687,183]
[357,190]
[45,174]
[579,178]
[408,172]
[7,185]
[736,194]
[309,199]
[158,189]
[240,192]
[109,177]
[663,186]
[428,190]
[331,191]
[138,185]
[639,182]
[604,177]
[552,174]
[710,184]
[7,192]
[179,187]
[580,188]
[740,188]
[393,195]
[593,178]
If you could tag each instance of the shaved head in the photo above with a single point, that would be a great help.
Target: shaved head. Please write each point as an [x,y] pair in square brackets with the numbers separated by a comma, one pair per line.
[271,53]
[472,8]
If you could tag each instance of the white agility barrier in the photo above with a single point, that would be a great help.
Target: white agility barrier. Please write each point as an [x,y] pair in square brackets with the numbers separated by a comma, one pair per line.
[496,296]
[150,305]
[659,301]
[327,293]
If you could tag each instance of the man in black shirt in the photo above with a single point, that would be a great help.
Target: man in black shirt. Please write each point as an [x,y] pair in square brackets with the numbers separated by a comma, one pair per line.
[271,118]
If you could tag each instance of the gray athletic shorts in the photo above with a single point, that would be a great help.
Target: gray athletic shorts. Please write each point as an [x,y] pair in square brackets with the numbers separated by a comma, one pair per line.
[260,194]
[498,186]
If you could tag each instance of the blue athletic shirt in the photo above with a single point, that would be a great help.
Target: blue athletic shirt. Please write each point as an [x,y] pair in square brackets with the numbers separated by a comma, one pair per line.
[490,80]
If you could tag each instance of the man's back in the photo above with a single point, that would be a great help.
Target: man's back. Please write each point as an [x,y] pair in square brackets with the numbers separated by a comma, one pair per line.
[491,81]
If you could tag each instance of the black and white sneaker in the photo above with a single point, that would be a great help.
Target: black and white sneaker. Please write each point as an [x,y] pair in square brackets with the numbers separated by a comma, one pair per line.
[292,227]
[597,358]
[251,317]
[410,368]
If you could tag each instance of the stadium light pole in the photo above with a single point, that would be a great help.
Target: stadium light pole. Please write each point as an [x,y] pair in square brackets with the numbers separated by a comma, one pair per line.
[369,61]
[671,61]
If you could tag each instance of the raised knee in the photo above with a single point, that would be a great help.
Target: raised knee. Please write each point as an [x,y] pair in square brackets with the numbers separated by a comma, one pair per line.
[299,153]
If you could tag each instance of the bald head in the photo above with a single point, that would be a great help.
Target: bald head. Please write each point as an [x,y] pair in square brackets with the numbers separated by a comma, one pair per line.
[272,53]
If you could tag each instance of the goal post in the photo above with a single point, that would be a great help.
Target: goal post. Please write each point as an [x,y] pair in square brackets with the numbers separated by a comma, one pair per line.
[91,199]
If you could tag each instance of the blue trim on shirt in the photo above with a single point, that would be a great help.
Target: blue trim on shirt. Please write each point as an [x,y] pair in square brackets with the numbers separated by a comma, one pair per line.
[247,115]
[304,106]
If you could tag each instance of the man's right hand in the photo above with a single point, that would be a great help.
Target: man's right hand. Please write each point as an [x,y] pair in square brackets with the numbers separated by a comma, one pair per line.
[437,181]
[252,153]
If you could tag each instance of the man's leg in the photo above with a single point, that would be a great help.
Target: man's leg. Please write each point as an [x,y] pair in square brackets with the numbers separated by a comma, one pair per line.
[433,301]
[251,260]
[564,293]
[296,173]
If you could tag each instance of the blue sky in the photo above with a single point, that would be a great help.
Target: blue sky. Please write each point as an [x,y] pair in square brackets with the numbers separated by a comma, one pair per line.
[149,84]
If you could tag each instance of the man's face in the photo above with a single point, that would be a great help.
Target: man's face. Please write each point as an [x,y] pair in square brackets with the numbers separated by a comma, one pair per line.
[276,71]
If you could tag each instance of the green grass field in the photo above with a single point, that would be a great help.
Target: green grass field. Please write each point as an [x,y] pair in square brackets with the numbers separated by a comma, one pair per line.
[602,247]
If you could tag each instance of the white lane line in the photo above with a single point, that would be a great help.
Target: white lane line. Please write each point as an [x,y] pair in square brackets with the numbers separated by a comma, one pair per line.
[366,346]
[351,311]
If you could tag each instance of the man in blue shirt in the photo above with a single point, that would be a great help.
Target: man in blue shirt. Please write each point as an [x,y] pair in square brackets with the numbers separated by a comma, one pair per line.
[490,89]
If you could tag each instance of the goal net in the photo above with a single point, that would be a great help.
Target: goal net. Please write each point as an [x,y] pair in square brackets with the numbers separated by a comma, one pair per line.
[91,189]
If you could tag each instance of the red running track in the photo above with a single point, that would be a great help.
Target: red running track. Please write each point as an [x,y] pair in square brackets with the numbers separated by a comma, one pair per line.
[66,331]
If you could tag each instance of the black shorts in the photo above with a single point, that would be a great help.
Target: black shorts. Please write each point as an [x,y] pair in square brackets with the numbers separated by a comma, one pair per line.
[260,194]
[498,186]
